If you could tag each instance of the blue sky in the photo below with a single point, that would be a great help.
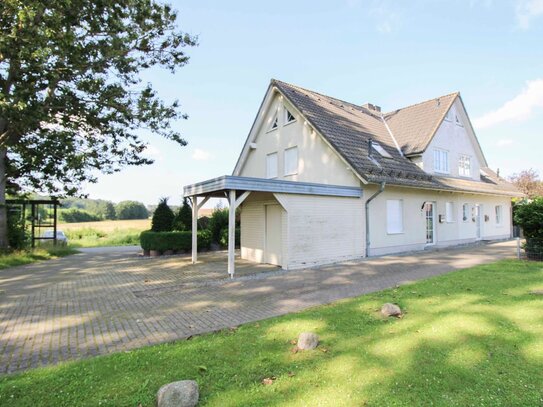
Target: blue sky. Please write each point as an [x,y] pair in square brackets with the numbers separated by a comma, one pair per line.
[388,52]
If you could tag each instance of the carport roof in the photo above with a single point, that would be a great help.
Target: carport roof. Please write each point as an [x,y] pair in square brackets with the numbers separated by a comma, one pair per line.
[218,186]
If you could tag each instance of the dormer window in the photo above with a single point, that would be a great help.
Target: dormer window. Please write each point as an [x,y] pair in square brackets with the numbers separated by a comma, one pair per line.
[382,152]
[289,117]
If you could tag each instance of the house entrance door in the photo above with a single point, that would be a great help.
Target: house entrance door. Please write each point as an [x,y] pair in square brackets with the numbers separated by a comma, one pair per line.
[429,211]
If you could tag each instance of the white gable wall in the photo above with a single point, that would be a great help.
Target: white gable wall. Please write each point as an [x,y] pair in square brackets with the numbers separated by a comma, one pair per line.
[457,141]
[317,162]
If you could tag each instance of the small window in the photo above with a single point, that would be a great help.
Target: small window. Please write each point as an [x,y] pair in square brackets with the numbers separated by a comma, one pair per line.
[498,214]
[464,166]
[291,161]
[441,161]
[289,118]
[394,216]
[271,165]
[449,212]
[457,121]
[448,116]
[274,123]
[377,147]
[465,212]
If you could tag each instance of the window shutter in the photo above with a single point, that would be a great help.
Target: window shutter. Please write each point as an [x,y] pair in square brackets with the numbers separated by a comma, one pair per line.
[271,165]
[291,161]
[394,216]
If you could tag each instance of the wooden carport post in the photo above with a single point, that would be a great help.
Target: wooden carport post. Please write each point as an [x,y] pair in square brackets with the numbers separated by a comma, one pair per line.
[195,208]
[233,205]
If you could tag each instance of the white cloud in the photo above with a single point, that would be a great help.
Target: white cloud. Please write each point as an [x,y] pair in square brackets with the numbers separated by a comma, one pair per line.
[153,151]
[386,19]
[201,155]
[527,10]
[517,109]
[504,142]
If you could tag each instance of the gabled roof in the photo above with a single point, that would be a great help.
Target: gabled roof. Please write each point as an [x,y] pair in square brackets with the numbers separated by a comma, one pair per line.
[347,128]
[414,126]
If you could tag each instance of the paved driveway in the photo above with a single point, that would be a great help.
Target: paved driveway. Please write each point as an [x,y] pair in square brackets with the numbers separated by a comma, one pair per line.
[99,302]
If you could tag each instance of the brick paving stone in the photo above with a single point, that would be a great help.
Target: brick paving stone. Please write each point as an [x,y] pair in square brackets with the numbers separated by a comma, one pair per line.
[100,302]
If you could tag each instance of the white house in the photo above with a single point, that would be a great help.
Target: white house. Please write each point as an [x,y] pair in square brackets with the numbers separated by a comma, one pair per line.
[321,180]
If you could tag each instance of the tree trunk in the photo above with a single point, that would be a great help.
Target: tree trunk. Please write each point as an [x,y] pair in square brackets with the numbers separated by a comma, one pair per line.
[3,210]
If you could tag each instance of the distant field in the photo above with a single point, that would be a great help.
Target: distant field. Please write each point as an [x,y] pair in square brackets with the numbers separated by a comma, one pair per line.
[105,233]
[108,225]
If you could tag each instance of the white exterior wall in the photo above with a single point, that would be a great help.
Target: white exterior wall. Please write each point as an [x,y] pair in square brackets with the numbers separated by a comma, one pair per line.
[446,234]
[322,229]
[317,162]
[455,139]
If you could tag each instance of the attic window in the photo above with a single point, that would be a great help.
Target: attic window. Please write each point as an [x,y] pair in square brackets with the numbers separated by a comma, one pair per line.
[274,124]
[289,117]
[448,116]
[377,147]
[457,121]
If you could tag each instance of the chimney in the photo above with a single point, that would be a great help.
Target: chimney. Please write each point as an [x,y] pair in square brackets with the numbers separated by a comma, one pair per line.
[374,108]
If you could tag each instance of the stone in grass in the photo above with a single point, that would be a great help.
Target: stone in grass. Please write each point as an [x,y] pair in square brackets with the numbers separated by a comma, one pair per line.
[536,292]
[307,341]
[391,310]
[178,394]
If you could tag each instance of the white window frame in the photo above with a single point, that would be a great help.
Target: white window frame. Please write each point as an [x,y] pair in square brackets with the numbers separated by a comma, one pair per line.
[441,157]
[465,212]
[275,119]
[272,169]
[395,224]
[464,166]
[457,121]
[448,115]
[287,121]
[498,211]
[449,212]
[288,170]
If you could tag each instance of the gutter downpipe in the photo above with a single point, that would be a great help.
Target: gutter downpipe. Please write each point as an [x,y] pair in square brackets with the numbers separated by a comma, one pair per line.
[371,198]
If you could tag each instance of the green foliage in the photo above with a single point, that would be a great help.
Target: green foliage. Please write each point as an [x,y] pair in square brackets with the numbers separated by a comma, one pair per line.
[203,222]
[163,217]
[109,211]
[183,218]
[218,222]
[529,216]
[17,235]
[468,338]
[72,95]
[131,210]
[176,240]
[21,257]
[223,241]
[74,215]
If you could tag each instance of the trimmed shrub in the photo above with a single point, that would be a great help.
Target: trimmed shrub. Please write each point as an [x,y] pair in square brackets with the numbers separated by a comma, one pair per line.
[163,217]
[218,221]
[224,237]
[529,216]
[74,215]
[203,222]
[175,240]
[183,218]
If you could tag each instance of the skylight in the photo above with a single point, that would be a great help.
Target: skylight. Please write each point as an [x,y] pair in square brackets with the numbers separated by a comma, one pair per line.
[377,147]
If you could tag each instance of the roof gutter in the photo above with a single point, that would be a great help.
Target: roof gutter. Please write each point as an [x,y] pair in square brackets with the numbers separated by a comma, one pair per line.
[367,205]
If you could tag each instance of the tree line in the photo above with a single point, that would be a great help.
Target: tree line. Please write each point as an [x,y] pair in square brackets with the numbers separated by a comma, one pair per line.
[90,210]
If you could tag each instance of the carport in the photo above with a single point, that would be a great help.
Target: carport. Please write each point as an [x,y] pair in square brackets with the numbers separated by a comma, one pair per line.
[236,189]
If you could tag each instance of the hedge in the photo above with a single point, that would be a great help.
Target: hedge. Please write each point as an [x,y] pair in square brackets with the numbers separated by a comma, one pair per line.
[223,241]
[177,241]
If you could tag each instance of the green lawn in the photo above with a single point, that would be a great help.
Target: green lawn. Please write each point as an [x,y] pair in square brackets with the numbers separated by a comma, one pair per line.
[22,257]
[469,338]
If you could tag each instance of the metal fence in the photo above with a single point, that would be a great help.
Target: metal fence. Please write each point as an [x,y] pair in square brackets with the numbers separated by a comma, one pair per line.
[522,254]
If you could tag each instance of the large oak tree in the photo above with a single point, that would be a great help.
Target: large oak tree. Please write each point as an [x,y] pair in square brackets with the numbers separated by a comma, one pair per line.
[71,96]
